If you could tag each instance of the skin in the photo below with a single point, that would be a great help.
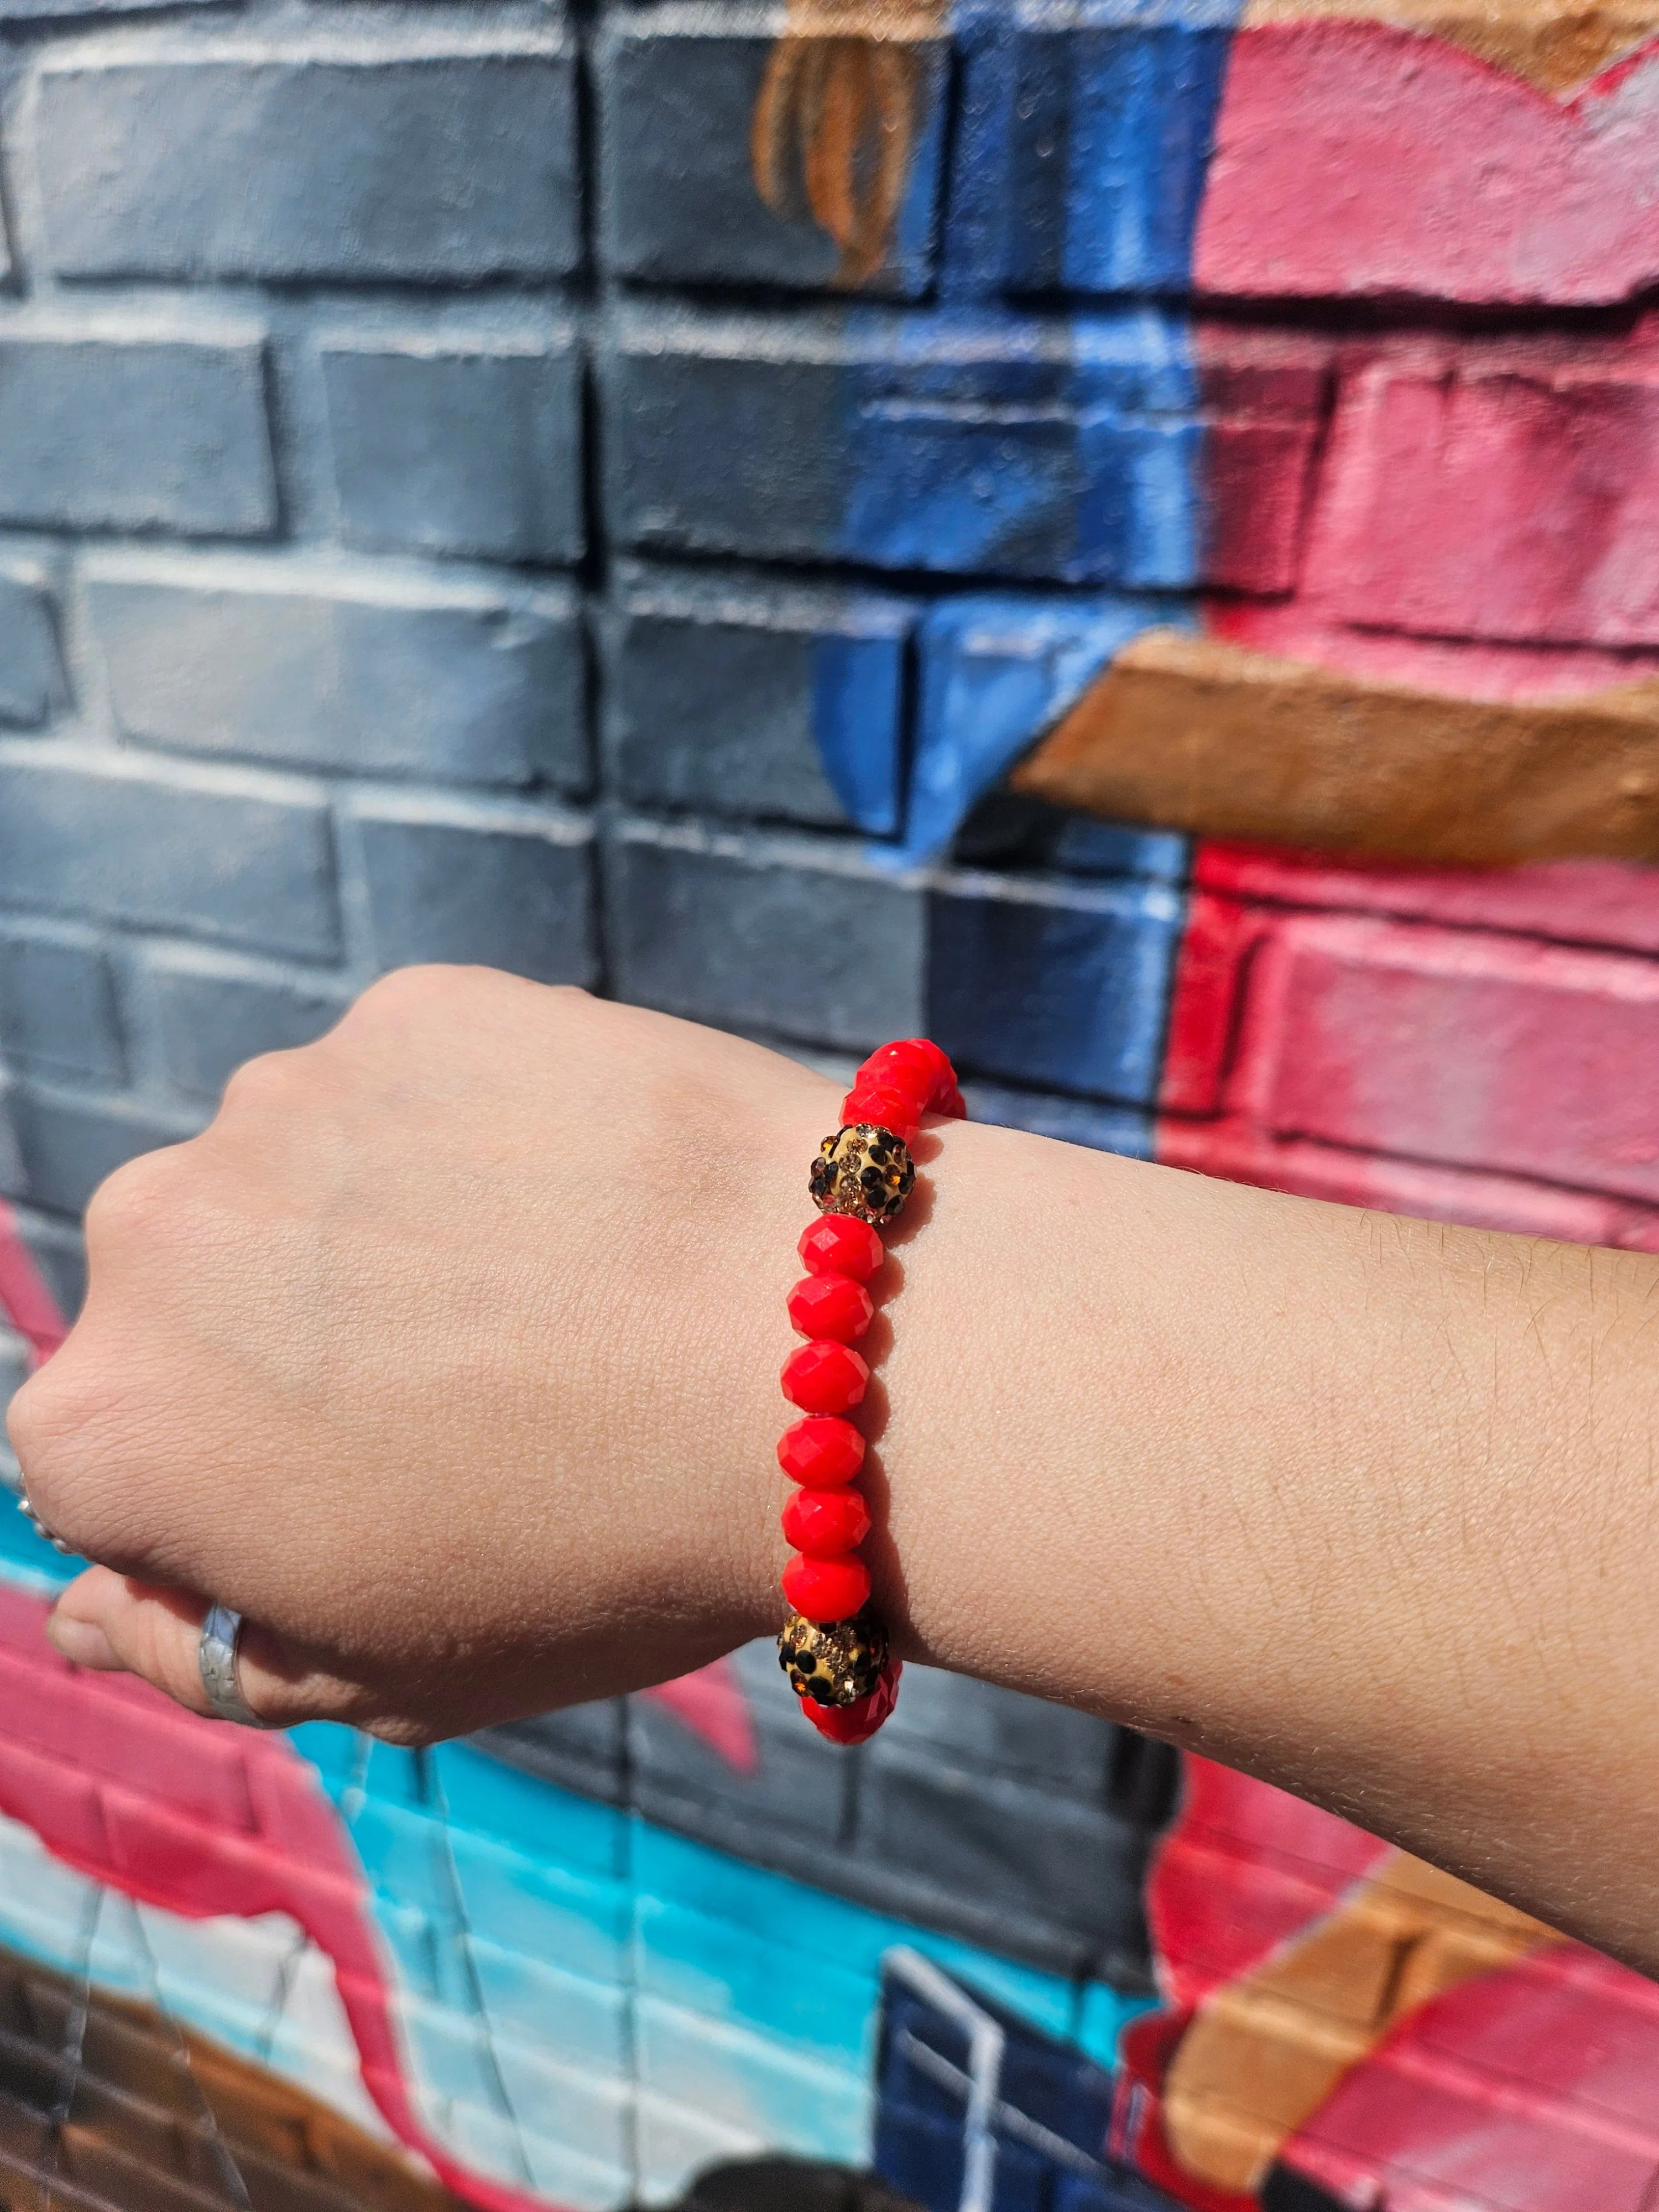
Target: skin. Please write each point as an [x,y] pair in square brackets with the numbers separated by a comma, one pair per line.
[448,1354]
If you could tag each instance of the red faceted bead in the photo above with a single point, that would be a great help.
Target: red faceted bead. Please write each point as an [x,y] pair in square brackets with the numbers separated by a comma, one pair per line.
[913,1064]
[824,1378]
[827,1589]
[821,1452]
[824,1523]
[857,1722]
[832,1306]
[888,1108]
[953,1103]
[841,1244]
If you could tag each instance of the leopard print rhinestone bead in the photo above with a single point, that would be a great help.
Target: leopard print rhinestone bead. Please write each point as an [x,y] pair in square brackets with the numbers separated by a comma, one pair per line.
[833,1663]
[862,1171]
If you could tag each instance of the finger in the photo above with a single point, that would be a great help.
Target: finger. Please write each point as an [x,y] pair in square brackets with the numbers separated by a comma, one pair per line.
[106,1620]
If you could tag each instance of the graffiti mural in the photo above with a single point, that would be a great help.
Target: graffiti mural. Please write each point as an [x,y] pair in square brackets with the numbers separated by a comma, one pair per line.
[1120,533]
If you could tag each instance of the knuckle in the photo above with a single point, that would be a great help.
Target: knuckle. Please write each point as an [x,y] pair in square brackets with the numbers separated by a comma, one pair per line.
[266,1082]
[133,1200]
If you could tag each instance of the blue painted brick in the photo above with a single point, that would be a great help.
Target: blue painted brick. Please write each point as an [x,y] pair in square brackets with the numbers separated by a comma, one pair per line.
[435,156]
[25,11]
[450,447]
[1082,142]
[970,443]
[105,432]
[796,937]
[67,1142]
[57,1012]
[161,847]
[32,682]
[997,671]
[769,702]
[679,89]
[1051,983]
[211,1014]
[507,886]
[308,666]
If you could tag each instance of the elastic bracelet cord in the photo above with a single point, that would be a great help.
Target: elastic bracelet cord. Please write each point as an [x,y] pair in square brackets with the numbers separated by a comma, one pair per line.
[834,1647]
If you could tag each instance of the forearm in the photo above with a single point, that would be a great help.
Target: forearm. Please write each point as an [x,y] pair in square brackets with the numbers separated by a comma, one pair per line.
[1363,1505]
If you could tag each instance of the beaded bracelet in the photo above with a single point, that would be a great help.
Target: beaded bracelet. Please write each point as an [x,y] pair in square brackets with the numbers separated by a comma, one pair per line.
[833,1647]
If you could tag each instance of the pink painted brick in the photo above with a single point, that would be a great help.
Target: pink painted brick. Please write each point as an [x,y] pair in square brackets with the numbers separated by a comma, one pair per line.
[1460,1048]
[1497,493]
[1265,399]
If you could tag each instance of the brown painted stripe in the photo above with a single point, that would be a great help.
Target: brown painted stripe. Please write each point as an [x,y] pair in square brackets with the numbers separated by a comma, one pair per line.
[1191,733]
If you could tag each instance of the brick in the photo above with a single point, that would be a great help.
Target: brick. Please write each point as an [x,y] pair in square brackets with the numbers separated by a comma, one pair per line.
[1053,983]
[789,935]
[679,204]
[582,1748]
[311,667]
[1023,1856]
[26,11]
[32,686]
[435,155]
[1498,493]
[509,887]
[68,1142]
[796,1792]
[450,447]
[102,430]
[1081,147]
[997,670]
[1470,1051]
[978,1725]
[211,1014]
[161,848]
[57,1011]
[1266,398]
[773,704]
[968,444]
[1126,1129]
[55,1246]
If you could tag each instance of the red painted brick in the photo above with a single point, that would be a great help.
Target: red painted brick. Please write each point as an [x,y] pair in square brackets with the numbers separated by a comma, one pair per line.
[1497,494]
[60,1802]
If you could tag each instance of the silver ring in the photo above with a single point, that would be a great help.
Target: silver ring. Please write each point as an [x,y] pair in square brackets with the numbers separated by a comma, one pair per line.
[40,1527]
[217,1656]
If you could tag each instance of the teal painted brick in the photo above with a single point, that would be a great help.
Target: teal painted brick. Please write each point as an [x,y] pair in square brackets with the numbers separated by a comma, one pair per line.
[57,1011]
[33,685]
[211,1014]
[99,431]
[443,158]
[741,2079]
[160,848]
[363,671]
[445,447]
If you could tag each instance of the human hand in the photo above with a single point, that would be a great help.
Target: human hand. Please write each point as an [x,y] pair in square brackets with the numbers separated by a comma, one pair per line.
[447,1355]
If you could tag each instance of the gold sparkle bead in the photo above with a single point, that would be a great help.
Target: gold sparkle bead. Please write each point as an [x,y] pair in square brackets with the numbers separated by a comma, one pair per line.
[834,1662]
[863,1171]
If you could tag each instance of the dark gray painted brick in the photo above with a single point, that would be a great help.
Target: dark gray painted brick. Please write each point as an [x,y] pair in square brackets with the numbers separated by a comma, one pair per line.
[32,682]
[265,662]
[134,434]
[210,1018]
[679,205]
[715,695]
[505,888]
[457,449]
[1026,1856]
[163,851]
[433,159]
[583,1748]
[57,1007]
[719,441]
[768,933]
[67,1143]
[799,1790]
[976,1724]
